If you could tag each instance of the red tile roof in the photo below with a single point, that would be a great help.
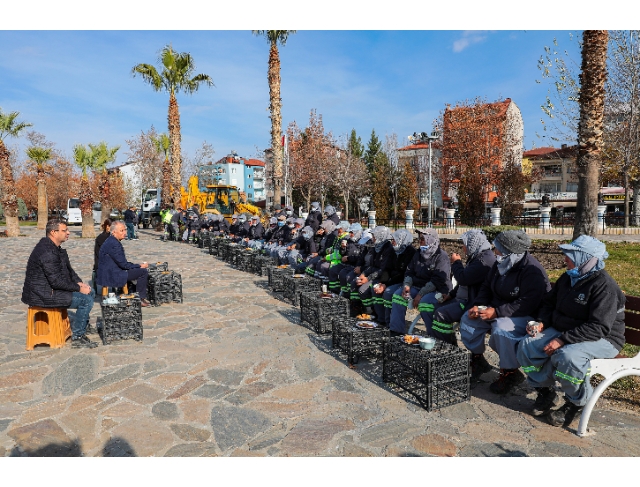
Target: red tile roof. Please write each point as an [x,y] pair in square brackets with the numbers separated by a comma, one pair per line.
[539,151]
[253,162]
[553,153]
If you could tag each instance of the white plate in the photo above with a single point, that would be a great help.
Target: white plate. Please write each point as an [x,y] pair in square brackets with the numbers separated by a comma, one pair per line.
[367,325]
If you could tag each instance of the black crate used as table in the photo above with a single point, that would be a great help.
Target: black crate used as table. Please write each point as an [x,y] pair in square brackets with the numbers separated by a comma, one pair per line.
[204,239]
[234,254]
[276,277]
[224,249]
[357,342]
[262,263]
[164,287]
[435,378]
[293,285]
[213,245]
[246,259]
[122,321]
[320,312]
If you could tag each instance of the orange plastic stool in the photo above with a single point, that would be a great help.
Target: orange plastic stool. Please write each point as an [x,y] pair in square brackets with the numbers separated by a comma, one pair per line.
[49,326]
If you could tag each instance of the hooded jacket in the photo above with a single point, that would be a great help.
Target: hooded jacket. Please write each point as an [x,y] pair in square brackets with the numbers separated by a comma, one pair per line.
[382,263]
[473,274]
[434,269]
[256,232]
[314,219]
[50,280]
[590,310]
[518,293]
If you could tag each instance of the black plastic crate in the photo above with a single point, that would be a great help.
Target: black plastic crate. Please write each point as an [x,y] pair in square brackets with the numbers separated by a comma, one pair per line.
[321,312]
[122,321]
[224,248]
[204,239]
[164,287]
[262,263]
[293,285]
[213,245]
[436,378]
[276,277]
[357,342]
[235,250]
[246,260]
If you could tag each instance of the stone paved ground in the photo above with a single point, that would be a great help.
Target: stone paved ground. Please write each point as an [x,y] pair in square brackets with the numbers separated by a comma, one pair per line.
[231,373]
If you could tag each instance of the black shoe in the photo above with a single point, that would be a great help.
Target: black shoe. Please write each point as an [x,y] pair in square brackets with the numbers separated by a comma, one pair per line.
[479,366]
[544,402]
[395,333]
[82,342]
[565,415]
[144,303]
[91,330]
[506,381]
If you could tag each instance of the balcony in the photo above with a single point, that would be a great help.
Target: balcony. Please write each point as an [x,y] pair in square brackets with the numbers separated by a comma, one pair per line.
[258,185]
[258,174]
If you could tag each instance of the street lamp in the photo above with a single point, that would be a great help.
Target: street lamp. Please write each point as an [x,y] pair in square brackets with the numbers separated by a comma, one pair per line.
[424,137]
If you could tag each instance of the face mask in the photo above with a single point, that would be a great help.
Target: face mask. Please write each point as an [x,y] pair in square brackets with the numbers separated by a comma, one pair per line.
[424,247]
[290,226]
[307,236]
[499,258]
[289,212]
[573,272]
[280,224]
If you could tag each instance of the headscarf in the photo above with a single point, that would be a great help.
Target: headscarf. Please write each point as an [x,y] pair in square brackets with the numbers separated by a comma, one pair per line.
[366,236]
[475,241]
[356,229]
[508,259]
[431,243]
[315,206]
[381,234]
[307,233]
[403,238]
[344,225]
[329,210]
[328,226]
[588,255]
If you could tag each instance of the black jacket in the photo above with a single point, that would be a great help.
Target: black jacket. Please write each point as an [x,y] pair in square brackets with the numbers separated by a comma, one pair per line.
[256,232]
[518,293]
[96,249]
[243,230]
[326,244]
[50,280]
[436,269]
[473,274]
[281,235]
[304,246]
[396,275]
[314,219]
[382,263]
[129,216]
[352,252]
[591,310]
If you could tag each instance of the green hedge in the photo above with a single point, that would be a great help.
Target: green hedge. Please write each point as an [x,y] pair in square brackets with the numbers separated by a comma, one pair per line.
[491,232]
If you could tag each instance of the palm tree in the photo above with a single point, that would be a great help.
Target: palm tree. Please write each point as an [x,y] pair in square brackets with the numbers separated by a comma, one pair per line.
[275,103]
[104,155]
[177,69]
[590,129]
[163,144]
[9,127]
[39,156]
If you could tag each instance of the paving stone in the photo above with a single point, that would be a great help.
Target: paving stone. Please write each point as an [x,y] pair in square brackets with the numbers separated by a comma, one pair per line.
[269,438]
[492,450]
[71,375]
[125,372]
[249,392]
[16,394]
[386,433]
[4,423]
[433,444]
[118,447]
[352,450]
[146,436]
[23,377]
[460,412]
[342,384]
[187,387]
[233,426]
[165,410]
[561,450]
[142,394]
[600,418]
[226,377]
[45,437]
[212,391]
[307,369]
[312,436]
[188,433]
[191,450]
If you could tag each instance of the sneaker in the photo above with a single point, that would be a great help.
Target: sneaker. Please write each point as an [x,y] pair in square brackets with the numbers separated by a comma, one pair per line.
[507,379]
[91,330]
[565,415]
[479,366]
[544,402]
[82,342]
[145,303]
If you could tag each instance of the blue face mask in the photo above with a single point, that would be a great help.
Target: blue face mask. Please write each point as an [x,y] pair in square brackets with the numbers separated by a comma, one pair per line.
[281,224]
[307,236]
[424,247]
[573,272]
[500,258]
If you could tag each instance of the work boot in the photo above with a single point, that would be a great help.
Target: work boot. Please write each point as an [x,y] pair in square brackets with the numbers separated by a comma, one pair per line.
[544,402]
[565,415]
[507,379]
[479,366]
[82,342]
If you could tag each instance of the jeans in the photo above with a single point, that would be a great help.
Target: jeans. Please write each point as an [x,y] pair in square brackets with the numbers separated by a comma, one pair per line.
[83,304]
[131,234]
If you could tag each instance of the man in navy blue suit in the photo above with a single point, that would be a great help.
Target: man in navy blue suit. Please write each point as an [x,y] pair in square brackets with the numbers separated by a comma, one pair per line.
[113,268]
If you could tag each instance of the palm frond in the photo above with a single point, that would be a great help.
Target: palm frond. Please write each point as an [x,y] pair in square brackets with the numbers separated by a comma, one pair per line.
[9,126]
[39,155]
[149,74]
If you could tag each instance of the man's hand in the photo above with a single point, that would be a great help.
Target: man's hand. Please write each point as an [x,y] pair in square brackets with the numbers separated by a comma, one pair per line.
[144,265]
[416,301]
[406,292]
[455,257]
[361,280]
[488,314]
[379,288]
[84,288]
[552,346]
[473,313]
[344,259]
[533,330]
[315,254]
[445,297]
[357,270]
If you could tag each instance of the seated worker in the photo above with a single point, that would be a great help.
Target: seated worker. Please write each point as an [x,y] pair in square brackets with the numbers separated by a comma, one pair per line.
[243,228]
[355,251]
[327,233]
[427,273]
[512,293]
[281,236]
[581,319]
[301,249]
[51,282]
[401,241]
[256,233]
[113,268]
[344,257]
[314,218]
[364,260]
[106,231]
[333,256]
[234,227]
[383,261]
[330,214]
[469,278]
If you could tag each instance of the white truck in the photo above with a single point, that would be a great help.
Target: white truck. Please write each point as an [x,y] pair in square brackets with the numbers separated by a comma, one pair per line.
[150,208]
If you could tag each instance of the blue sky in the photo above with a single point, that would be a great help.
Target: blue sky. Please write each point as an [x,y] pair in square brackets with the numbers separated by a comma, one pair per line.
[77,87]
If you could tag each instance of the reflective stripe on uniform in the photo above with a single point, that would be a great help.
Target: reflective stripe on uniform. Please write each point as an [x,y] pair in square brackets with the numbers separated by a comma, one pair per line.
[442,327]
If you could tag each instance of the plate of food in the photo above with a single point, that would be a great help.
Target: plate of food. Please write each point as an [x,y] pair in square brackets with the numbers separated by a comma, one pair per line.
[363,316]
[327,295]
[298,276]
[410,339]
[282,266]
[367,325]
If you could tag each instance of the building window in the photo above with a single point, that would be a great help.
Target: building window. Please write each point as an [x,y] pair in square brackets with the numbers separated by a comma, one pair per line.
[233,170]
[572,187]
[250,196]
[550,187]
[249,186]
[249,176]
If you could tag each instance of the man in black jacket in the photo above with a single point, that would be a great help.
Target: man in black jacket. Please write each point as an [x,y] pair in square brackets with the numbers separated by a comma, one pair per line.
[51,282]
[508,298]
[581,319]
[129,217]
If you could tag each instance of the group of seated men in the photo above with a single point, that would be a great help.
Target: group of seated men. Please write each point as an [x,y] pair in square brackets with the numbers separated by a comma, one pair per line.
[551,333]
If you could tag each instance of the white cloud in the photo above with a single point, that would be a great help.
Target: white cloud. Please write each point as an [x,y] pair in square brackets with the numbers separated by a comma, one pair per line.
[469,37]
